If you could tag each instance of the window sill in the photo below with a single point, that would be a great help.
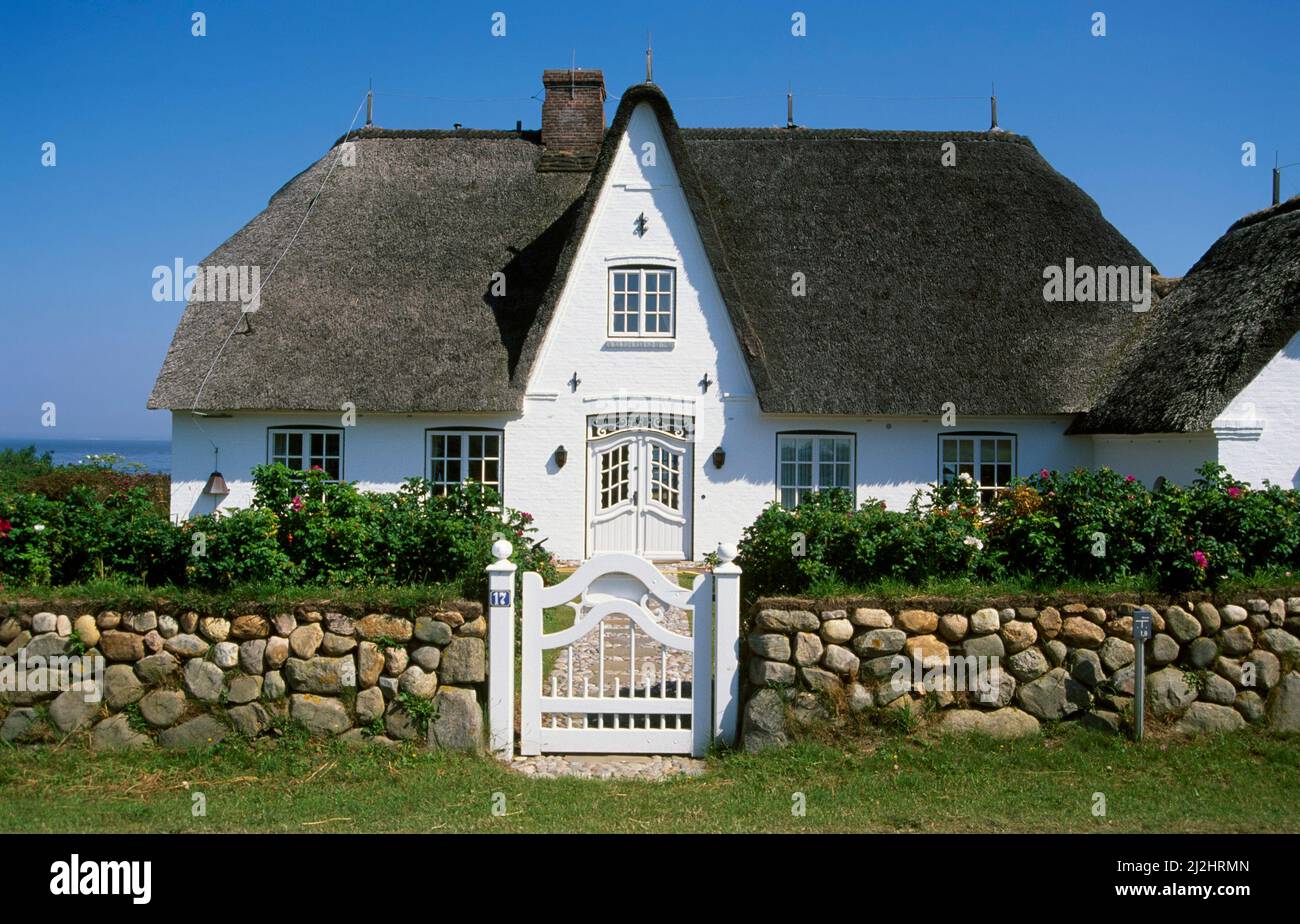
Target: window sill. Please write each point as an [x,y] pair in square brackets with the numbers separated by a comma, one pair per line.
[639,343]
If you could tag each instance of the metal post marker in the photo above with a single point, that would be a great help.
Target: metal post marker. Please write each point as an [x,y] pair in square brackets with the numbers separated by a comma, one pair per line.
[1141,632]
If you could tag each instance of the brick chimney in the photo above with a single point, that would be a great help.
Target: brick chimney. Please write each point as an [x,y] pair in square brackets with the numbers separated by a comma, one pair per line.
[573,119]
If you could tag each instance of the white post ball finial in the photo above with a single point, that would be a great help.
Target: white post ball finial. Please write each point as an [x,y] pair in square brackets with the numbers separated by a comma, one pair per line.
[502,549]
[726,552]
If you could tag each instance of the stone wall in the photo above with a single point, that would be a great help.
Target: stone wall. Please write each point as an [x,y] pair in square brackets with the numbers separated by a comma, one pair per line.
[1209,667]
[184,679]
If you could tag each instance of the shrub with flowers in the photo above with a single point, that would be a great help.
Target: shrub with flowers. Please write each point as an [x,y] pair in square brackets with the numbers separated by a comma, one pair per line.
[825,541]
[300,530]
[1051,527]
[83,537]
[943,532]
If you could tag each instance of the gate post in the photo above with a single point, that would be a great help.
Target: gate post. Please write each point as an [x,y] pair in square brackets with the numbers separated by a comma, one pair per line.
[726,698]
[501,651]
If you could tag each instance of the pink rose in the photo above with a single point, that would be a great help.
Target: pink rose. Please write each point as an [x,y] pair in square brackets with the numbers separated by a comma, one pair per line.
[1234,491]
[296,504]
[1202,561]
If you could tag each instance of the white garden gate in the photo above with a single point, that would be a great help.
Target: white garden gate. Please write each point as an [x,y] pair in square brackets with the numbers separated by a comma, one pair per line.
[638,671]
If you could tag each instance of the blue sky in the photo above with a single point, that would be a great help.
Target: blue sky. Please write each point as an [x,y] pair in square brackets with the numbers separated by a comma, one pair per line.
[167,143]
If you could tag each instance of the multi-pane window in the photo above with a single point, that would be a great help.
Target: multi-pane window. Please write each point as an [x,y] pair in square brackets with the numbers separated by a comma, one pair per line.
[615,476]
[812,462]
[988,460]
[666,476]
[303,449]
[641,301]
[456,456]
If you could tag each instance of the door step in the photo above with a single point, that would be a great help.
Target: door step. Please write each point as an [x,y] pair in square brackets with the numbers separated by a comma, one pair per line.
[647,767]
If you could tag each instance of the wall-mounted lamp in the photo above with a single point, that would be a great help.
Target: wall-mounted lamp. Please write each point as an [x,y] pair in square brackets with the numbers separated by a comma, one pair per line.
[719,457]
[216,482]
[561,456]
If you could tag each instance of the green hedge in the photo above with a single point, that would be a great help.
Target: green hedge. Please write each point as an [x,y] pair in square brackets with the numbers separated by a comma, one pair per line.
[1052,527]
[301,530]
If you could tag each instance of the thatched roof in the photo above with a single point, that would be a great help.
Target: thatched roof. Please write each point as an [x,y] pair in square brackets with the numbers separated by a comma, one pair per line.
[384,299]
[1231,314]
[924,282]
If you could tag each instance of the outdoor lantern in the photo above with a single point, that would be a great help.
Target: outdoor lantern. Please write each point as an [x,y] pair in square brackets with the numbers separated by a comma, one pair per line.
[719,457]
[561,456]
[216,481]
[216,485]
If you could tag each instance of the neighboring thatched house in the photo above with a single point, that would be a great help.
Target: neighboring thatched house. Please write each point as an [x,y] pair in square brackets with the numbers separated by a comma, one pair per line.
[1220,358]
[644,334]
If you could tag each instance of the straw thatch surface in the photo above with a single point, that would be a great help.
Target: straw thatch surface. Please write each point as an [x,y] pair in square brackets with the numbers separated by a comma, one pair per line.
[1232,313]
[384,298]
[924,282]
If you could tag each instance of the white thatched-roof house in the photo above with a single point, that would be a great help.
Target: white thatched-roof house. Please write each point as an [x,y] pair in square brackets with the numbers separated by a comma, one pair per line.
[644,334]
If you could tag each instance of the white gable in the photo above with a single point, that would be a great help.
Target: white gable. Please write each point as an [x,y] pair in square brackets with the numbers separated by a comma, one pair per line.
[641,182]
[1259,431]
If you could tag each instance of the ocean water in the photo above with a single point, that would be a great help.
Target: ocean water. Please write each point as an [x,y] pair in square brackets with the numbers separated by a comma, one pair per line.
[154,455]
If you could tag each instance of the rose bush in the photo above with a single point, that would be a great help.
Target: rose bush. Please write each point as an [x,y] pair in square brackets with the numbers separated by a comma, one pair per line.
[300,530]
[1051,527]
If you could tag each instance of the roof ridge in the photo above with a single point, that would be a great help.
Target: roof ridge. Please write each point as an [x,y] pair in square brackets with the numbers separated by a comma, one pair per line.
[775,132]
[374,132]
[1251,218]
[778,132]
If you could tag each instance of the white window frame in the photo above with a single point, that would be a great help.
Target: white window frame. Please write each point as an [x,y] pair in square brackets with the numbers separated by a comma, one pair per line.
[976,466]
[640,333]
[307,457]
[665,481]
[466,461]
[616,464]
[816,465]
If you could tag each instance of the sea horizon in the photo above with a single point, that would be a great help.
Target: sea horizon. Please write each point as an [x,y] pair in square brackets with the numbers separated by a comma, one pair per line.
[154,454]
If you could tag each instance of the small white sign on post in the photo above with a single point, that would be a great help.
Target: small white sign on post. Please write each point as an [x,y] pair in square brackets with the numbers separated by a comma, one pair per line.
[501,651]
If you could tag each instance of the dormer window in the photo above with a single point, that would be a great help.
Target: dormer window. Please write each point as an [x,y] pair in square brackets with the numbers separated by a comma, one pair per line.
[642,302]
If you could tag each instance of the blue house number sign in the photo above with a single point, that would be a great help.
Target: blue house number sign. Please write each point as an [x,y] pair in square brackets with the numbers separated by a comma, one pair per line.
[499,598]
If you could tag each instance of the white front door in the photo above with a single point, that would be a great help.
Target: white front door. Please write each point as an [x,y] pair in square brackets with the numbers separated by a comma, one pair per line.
[639,495]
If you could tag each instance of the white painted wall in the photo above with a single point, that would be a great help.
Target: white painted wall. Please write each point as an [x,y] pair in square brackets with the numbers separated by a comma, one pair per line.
[1146,457]
[379,453]
[630,374]
[895,458]
[1259,431]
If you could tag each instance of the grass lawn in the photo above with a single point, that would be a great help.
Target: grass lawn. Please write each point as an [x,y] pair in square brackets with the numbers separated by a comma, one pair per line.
[882,782]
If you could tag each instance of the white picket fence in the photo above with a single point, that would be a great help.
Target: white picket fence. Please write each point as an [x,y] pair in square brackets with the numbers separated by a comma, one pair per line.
[647,704]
